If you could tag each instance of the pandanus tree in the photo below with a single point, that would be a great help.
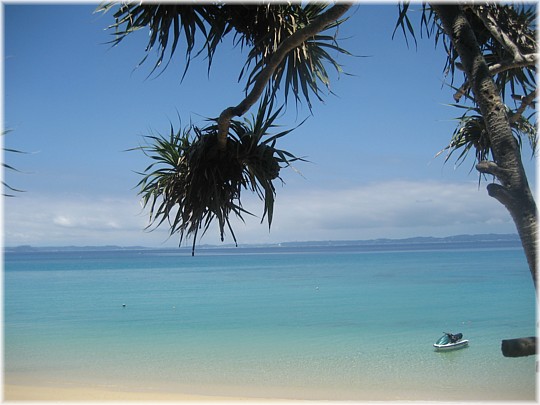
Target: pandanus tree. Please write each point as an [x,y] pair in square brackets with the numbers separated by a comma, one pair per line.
[494,45]
[197,174]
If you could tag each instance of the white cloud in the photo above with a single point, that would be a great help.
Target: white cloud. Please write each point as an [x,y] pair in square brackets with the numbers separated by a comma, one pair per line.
[72,220]
[393,209]
[63,221]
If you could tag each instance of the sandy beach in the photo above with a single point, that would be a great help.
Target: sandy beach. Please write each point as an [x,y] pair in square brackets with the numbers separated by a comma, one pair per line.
[22,393]
[40,393]
[17,393]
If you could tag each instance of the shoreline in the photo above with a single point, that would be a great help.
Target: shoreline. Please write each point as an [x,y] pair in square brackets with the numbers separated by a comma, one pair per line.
[24,393]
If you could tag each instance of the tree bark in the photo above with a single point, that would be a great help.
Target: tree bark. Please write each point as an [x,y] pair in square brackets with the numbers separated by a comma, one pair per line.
[513,191]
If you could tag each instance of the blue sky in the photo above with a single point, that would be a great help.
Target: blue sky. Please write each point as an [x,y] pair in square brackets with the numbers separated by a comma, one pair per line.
[77,104]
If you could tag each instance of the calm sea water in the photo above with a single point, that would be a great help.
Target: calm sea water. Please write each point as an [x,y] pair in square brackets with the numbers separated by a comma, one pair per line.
[338,323]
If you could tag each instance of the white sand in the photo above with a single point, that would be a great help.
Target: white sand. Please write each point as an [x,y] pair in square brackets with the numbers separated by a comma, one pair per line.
[40,393]
[20,392]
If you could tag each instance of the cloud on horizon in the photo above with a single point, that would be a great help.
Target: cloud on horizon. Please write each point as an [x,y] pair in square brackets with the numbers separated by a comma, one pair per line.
[393,209]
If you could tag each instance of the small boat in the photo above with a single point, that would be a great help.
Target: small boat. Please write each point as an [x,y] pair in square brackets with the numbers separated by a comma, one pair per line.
[449,341]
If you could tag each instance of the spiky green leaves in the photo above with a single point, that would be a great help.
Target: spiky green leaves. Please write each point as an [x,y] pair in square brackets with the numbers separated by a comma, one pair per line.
[471,135]
[192,182]
[303,71]
[9,167]
[168,25]
[260,26]
[506,34]
[198,175]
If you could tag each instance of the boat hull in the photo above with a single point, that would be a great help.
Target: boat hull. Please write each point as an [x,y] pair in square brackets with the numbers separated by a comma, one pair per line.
[451,346]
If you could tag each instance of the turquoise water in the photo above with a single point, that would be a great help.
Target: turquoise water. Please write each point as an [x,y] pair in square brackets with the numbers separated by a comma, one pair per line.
[337,323]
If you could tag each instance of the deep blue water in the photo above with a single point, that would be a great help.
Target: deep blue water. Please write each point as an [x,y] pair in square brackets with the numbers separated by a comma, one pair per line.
[334,323]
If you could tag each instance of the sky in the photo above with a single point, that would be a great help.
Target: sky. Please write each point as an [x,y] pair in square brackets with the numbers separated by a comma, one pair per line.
[76,105]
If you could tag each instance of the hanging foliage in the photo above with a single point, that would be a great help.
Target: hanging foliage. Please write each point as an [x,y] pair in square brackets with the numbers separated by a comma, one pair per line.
[192,182]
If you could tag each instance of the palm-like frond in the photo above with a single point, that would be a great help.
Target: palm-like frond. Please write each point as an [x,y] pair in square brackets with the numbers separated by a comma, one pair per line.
[517,21]
[258,26]
[471,135]
[191,182]
[524,127]
[10,167]
[304,69]
[168,24]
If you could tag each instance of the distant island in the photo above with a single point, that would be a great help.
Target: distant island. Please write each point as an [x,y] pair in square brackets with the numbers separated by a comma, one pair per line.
[480,240]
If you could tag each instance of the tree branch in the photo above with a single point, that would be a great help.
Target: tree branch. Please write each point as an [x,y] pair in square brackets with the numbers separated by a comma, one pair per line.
[492,168]
[526,60]
[501,194]
[295,40]
[525,102]
[496,32]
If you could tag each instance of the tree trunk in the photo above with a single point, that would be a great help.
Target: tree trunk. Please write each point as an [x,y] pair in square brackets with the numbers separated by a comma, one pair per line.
[513,191]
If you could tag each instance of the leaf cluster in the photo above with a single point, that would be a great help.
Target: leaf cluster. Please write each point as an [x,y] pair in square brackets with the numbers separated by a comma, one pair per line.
[303,70]
[471,135]
[168,23]
[261,27]
[517,25]
[518,22]
[192,182]
[196,178]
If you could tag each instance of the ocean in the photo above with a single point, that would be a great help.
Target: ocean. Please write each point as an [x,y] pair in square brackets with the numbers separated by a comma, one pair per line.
[336,323]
